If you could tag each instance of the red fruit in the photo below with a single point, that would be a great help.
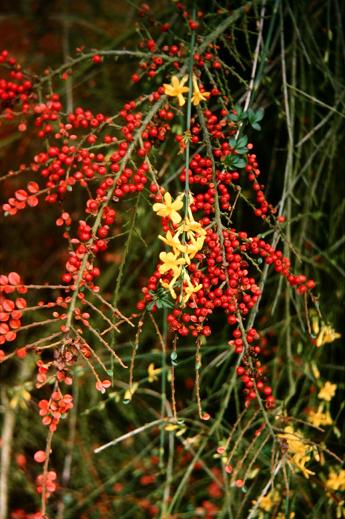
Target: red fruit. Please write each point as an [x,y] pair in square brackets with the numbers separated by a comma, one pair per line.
[40,456]
[33,187]
[21,195]
[21,353]
[20,303]
[193,24]
[97,59]
[14,278]
[8,305]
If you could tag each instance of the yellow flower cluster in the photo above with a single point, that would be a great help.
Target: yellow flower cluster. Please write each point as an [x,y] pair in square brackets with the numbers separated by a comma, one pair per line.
[336,481]
[327,391]
[153,373]
[324,333]
[176,89]
[185,242]
[299,452]
[327,334]
[319,417]
[268,502]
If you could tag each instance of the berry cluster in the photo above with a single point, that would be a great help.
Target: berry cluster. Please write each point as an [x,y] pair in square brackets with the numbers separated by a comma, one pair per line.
[224,267]
[15,89]
[11,311]
[46,481]
[52,410]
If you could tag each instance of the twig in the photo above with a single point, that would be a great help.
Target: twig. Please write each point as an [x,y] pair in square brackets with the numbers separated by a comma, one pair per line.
[129,435]
[6,449]
[265,490]
[255,64]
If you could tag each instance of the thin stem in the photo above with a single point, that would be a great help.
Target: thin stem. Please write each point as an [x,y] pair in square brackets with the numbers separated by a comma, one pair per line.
[6,449]
[255,63]
[188,118]
[130,434]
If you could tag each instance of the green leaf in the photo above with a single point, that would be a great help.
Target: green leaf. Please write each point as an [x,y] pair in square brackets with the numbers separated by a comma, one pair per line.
[255,117]
[251,116]
[241,163]
[238,109]
[242,151]
[259,114]
[242,141]
[233,117]
[235,162]
[228,161]
[239,144]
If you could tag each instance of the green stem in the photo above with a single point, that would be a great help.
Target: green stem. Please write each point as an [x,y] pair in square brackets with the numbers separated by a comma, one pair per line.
[163,386]
[189,115]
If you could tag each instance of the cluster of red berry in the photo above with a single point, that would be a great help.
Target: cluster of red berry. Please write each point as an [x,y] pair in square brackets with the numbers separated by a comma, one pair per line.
[52,410]
[47,481]
[16,89]
[226,265]
[11,311]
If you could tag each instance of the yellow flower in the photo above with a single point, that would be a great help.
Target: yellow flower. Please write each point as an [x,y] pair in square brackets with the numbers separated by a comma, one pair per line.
[153,372]
[315,370]
[298,451]
[315,322]
[130,392]
[327,334]
[340,510]
[197,95]
[336,481]
[189,290]
[193,247]
[172,241]
[171,427]
[170,262]
[176,89]
[266,503]
[318,418]
[169,208]
[192,227]
[327,391]
[170,286]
